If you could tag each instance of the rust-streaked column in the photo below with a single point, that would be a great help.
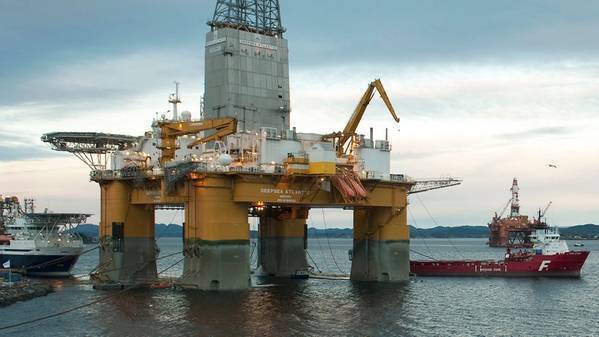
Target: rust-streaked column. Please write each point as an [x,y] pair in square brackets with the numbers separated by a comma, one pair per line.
[216,237]
[282,242]
[128,247]
[381,243]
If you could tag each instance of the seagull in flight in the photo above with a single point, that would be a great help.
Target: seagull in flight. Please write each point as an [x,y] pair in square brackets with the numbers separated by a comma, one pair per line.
[552,165]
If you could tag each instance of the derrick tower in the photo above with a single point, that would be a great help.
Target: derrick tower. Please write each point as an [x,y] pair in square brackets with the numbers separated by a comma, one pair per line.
[247,66]
[515,207]
[262,16]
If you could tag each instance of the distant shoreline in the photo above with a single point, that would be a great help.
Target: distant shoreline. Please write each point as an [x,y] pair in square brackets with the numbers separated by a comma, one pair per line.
[578,232]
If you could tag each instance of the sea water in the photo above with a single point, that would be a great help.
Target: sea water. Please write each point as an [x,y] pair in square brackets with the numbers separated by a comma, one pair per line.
[422,307]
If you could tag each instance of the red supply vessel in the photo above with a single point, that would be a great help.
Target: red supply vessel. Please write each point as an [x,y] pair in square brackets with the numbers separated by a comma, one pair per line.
[535,252]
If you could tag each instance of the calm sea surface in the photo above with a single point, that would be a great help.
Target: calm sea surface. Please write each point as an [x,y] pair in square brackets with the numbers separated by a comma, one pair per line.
[316,307]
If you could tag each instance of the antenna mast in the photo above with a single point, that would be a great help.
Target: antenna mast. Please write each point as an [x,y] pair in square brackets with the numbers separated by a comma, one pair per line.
[174,99]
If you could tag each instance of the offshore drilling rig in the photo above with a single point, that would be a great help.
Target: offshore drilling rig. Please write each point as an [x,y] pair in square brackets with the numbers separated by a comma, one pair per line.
[503,231]
[242,159]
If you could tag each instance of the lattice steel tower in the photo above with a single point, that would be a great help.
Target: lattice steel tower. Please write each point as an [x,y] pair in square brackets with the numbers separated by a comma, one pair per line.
[261,16]
[247,66]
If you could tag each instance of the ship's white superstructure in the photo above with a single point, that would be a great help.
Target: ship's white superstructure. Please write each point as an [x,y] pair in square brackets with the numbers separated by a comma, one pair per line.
[546,241]
[40,244]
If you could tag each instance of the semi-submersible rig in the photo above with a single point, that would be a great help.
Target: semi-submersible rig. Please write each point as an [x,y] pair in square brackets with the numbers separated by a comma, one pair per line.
[240,159]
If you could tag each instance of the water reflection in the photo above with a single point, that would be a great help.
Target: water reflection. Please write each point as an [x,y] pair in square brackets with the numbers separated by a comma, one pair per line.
[316,307]
[381,308]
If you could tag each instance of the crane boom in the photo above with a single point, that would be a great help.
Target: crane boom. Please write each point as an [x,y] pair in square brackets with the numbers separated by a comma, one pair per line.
[352,125]
[542,213]
[504,208]
[171,130]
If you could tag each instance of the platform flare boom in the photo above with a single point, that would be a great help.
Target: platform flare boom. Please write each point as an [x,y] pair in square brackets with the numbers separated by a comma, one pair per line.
[424,185]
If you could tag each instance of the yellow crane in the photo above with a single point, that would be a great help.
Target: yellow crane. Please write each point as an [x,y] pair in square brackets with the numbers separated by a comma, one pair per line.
[342,139]
[170,130]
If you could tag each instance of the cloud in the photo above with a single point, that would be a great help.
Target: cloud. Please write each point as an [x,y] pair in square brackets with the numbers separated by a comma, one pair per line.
[537,132]
[38,36]
[409,32]
[492,97]
[15,146]
[485,90]
[95,80]
[8,153]
[120,95]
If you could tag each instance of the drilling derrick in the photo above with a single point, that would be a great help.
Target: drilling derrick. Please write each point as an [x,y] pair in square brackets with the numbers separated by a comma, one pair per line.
[515,206]
[247,66]
[259,16]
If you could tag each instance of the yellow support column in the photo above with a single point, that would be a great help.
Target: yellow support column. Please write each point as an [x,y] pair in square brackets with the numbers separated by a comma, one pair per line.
[127,244]
[216,237]
[282,242]
[381,245]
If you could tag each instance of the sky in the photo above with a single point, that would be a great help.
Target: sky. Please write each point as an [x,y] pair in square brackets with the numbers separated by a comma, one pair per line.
[486,91]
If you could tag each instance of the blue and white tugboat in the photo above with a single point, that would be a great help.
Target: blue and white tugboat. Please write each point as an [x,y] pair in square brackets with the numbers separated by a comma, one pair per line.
[38,244]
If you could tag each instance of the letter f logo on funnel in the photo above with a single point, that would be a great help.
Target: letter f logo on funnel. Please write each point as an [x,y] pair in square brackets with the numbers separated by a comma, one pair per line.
[544,265]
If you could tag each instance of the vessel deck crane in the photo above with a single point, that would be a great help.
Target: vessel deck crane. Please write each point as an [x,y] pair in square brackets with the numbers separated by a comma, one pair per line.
[170,130]
[342,139]
[542,213]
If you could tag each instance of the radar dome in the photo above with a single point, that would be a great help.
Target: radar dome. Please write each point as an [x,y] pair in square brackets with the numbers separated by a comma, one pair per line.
[225,159]
[186,116]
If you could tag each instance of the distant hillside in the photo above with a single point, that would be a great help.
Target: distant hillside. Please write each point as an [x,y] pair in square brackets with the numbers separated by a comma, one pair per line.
[172,230]
[161,230]
[450,232]
[331,233]
[88,230]
[588,231]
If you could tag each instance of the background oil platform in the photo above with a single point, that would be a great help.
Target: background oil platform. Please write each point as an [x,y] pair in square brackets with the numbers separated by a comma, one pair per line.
[241,158]
[502,230]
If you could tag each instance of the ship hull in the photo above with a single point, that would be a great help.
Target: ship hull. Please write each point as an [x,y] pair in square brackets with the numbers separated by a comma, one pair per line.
[559,265]
[41,265]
